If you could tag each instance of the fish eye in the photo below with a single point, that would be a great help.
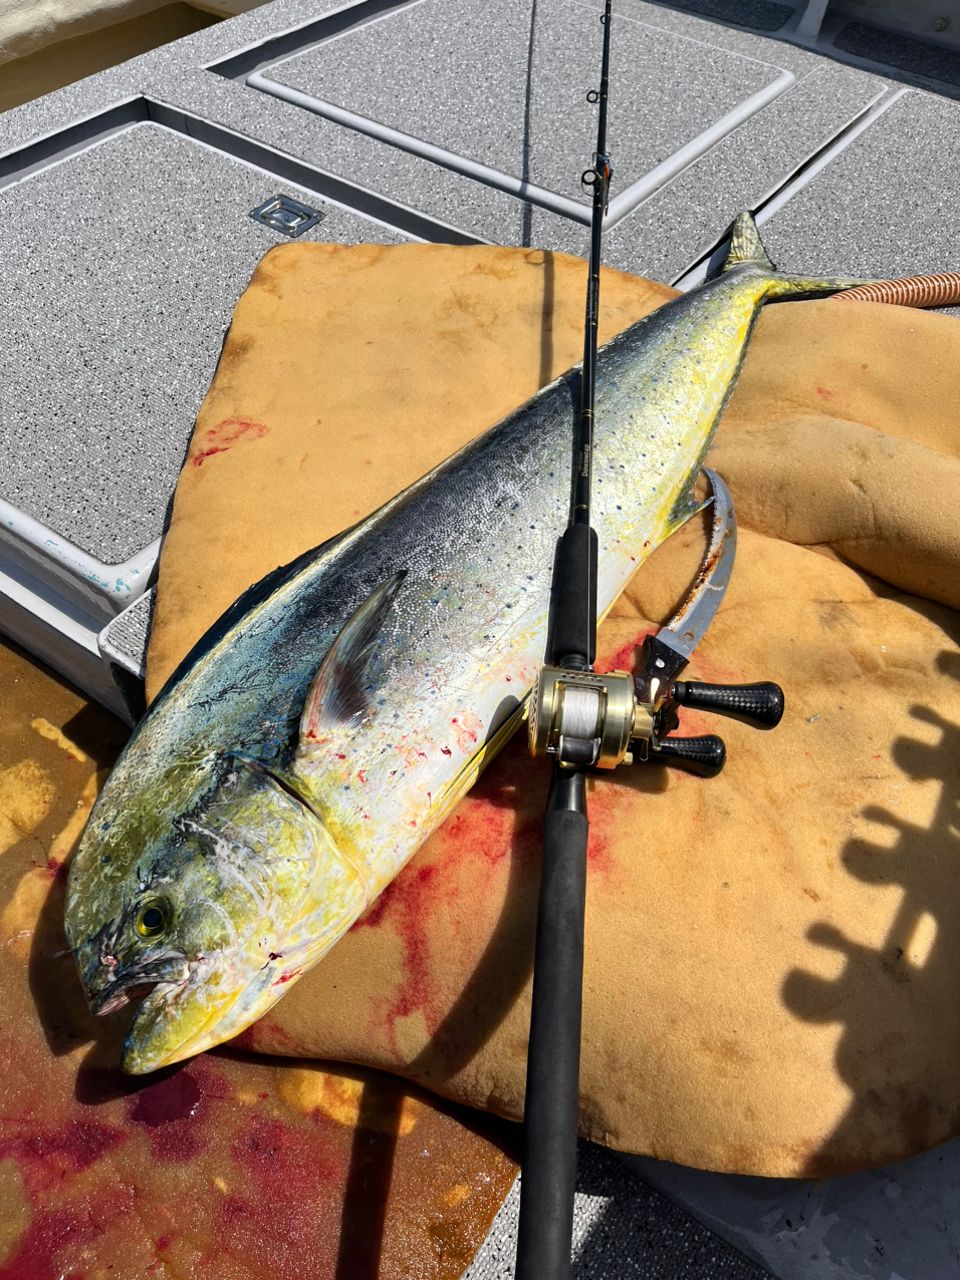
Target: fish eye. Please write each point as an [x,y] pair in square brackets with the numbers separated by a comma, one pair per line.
[152,919]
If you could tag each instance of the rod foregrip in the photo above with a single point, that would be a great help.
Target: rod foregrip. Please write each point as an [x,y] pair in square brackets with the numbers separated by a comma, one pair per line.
[553,1062]
[573,608]
[759,705]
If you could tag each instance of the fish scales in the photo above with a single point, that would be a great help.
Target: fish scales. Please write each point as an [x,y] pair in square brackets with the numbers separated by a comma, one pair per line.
[239,834]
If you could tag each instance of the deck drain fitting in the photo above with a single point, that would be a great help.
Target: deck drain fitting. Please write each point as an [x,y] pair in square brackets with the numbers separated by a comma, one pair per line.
[286,215]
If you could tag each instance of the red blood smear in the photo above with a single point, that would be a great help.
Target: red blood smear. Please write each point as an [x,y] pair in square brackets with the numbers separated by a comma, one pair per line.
[46,1156]
[245,1040]
[57,871]
[175,1098]
[602,812]
[276,1155]
[485,824]
[224,435]
[823,392]
[410,903]
[399,895]
[485,831]
[266,1037]
[174,1110]
[48,1234]
[625,658]
[503,814]
[290,1203]
[466,732]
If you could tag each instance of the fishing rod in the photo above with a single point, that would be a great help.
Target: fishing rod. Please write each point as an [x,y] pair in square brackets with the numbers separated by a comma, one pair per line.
[584,720]
[553,1062]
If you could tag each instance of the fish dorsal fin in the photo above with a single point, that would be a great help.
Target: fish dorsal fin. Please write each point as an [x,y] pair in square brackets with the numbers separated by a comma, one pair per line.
[746,245]
[338,694]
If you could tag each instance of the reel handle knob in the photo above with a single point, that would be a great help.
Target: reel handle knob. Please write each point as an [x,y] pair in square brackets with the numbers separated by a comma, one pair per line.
[758,705]
[704,756]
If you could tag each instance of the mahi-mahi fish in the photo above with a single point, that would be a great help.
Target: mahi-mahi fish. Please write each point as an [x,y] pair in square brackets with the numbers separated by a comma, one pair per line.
[324,727]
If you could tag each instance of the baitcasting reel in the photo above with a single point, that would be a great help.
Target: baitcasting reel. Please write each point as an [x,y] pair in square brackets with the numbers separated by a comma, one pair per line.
[588,720]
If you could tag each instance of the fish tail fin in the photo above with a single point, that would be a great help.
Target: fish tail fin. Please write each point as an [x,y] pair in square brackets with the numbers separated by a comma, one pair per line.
[746,249]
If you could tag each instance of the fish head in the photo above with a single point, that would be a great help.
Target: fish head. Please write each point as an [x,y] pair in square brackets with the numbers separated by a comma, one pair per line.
[202,895]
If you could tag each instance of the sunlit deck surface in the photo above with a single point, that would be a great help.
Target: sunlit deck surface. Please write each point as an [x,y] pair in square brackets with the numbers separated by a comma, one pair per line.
[126,238]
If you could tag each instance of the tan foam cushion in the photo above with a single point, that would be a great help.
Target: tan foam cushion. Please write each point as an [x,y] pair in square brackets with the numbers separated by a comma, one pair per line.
[772,958]
[29,25]
[232,1167]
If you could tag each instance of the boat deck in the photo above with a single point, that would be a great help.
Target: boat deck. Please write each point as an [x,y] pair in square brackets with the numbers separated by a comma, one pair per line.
[126,237]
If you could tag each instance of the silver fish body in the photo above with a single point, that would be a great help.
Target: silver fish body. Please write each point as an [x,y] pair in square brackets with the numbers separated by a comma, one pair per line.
[261,806]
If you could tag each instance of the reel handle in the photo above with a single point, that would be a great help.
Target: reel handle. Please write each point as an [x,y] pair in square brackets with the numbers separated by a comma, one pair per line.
[704,756]
[758,705]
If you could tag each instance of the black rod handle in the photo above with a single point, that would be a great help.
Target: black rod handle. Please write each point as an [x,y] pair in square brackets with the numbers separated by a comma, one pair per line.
[704,756]
[759,705]
[551,1103]
[573,599]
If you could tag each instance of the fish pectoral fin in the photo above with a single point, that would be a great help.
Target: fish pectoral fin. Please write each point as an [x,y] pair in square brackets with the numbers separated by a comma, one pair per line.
[746,245]
[338,695]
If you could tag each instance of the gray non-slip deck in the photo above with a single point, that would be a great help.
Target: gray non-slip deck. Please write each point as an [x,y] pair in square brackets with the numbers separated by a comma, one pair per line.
[623,1229]
[883,205]
[682,221]
[100,396]
[528,69]
[125,239]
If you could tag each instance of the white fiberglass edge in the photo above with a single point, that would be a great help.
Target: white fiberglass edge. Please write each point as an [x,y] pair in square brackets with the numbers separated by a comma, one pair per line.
[16,593]
[625,203]
[575,210]
[417,146]
[60,641]
[112,586]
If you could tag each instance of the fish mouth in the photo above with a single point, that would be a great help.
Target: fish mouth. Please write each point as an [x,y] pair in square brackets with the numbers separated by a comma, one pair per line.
[165,975]
[212,1006]
[178,1021]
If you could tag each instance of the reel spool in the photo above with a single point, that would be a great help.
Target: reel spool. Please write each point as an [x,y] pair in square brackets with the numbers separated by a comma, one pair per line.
[584,719]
